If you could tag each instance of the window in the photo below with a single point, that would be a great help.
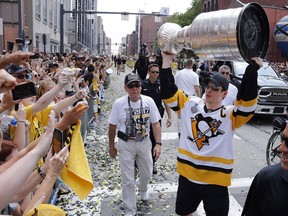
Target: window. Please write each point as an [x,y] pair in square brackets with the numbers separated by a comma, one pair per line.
[216,5]
[55,14]
[37,41]
[45,11]
[205,7]
[38,9]
[212,5]
[51,16]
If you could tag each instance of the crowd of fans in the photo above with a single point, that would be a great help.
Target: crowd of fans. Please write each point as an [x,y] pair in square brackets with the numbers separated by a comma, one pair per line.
[30,171]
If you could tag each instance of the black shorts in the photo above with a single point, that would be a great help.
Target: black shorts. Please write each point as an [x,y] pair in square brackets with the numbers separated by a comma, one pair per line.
[189,195]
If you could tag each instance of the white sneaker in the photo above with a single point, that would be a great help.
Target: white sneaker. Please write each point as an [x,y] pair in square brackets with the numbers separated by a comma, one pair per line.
[144,195]
[137,182]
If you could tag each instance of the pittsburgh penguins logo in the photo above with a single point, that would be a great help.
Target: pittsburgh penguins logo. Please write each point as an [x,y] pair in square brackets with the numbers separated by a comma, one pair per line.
[203,129]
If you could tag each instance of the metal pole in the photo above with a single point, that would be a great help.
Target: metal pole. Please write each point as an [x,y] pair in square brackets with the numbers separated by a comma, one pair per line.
[20,22]
[62,12]
[138,39]
[61,29]
[76,29]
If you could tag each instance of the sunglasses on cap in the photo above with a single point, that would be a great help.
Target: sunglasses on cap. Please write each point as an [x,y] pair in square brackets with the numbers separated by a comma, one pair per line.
[214,88]
[284,139]
[132,85]
[154,72]
[22,76]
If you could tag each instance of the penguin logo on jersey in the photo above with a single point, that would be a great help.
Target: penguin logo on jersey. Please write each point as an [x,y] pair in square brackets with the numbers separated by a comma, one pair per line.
[203,128]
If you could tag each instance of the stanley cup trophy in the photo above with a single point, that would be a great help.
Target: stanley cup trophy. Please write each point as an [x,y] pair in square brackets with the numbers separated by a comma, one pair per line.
[233,34]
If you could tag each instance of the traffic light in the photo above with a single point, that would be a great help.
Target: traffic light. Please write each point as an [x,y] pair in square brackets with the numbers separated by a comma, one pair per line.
[73,15]
[44,39]
[116,44]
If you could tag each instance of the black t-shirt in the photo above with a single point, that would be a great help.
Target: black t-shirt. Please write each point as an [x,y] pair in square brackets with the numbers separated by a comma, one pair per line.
[268,193]
[153,90]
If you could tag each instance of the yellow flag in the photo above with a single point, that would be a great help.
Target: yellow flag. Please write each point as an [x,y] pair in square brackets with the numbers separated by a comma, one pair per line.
[76,174]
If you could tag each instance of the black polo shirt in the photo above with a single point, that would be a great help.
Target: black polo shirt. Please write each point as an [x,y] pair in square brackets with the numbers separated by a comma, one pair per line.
[153,90]
[268,194]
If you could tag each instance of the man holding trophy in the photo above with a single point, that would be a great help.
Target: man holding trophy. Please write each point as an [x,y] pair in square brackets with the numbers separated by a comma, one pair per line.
[205,153]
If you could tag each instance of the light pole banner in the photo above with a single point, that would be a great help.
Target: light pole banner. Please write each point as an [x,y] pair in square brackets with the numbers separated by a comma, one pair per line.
[124,17]
[1,26]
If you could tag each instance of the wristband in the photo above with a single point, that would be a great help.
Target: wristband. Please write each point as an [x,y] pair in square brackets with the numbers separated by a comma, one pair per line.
[43,175]
[158,143]
[21,122]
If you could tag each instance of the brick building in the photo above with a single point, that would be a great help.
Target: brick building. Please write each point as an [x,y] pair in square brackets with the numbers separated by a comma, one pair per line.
[131,44]
[275,10]
[149,28]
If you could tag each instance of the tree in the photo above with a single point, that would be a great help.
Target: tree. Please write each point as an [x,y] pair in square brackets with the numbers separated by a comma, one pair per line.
[185,19]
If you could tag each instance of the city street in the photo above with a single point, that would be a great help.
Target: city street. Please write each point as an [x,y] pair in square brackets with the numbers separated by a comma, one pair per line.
[249,141]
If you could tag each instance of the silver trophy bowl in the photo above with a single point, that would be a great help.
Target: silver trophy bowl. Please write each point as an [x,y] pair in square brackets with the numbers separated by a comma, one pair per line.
[233,34]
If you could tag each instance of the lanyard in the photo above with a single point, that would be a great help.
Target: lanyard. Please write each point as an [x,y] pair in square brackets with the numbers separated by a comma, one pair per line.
[141,109]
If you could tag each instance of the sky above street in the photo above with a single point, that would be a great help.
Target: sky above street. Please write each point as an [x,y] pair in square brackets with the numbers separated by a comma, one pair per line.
[115,28]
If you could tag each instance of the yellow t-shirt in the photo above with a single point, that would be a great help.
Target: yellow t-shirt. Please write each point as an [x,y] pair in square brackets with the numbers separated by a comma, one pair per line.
[174,65]
[37,122]
[95,82]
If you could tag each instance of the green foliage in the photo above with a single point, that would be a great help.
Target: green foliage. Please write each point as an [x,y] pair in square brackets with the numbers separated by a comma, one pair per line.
[185,19]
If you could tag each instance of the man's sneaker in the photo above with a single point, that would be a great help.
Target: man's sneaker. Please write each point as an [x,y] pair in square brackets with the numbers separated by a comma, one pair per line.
[144,196]
[154,170]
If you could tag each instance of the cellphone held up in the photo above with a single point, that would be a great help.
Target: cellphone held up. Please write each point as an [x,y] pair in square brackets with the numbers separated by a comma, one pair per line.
[57,141]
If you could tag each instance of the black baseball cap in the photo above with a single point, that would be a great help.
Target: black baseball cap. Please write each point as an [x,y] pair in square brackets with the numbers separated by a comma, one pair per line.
[53,65]
[218,80]
[14,69]
[132,77]
[80,57]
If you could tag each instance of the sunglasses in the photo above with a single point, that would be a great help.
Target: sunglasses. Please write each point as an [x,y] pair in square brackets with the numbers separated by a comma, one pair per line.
[214,88]
[225,73]
[36,75]
[154,72]
[284,139]
[21,76]
[132,85]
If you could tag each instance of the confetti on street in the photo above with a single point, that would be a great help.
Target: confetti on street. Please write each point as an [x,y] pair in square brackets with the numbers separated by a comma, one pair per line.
[106,196]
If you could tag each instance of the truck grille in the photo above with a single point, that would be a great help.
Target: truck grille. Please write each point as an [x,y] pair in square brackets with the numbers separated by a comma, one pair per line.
[267,94]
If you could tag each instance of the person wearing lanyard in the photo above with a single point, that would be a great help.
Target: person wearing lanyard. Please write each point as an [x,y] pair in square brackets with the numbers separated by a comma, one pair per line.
[132,115]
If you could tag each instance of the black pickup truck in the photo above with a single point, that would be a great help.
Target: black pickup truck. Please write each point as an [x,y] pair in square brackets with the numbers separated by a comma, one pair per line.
[272,88]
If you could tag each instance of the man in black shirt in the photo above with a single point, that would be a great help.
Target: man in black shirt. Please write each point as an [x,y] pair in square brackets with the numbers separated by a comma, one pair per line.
[269,190]
[151,88]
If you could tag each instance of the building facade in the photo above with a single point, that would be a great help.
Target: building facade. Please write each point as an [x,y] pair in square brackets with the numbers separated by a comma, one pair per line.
[146,28]
[39,20]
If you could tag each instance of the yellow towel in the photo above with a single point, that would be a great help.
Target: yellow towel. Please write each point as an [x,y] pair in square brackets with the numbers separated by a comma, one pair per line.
[46,210]
[76,174]
[95,83]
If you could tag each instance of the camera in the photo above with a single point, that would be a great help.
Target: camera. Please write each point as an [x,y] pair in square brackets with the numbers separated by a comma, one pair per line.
[122,135]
